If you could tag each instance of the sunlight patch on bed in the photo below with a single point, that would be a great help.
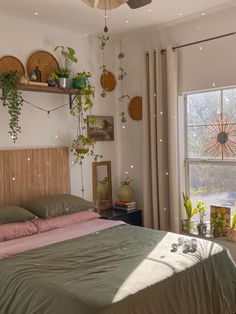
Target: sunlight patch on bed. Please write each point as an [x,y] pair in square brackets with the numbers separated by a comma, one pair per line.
[161,263]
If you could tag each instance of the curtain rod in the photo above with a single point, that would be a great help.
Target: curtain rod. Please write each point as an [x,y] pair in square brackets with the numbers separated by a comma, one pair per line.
[200,41]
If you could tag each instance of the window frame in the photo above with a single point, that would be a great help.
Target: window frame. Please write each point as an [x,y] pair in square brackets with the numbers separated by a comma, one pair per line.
[190,160]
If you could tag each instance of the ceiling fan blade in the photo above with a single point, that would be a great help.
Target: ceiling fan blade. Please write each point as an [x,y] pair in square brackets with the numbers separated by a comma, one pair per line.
[90,3]
[135,4]
[110,4]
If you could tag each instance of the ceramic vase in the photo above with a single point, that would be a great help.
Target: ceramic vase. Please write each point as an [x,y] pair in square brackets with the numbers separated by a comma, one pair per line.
[125,193]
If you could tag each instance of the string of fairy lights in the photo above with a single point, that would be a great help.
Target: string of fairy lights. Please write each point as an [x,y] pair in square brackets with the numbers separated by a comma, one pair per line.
[48,111]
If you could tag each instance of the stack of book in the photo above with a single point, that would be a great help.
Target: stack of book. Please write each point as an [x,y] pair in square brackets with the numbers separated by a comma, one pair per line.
[127,206]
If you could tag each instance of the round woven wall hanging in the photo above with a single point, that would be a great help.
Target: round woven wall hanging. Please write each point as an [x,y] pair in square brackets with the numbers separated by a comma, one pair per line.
[10,63]
[108,81]
[46,63]
[135,108]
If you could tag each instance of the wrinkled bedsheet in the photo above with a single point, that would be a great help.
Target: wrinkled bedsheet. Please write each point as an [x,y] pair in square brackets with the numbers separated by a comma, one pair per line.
[120,270]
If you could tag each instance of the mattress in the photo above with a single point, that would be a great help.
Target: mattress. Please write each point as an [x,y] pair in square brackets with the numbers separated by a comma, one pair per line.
[107,267]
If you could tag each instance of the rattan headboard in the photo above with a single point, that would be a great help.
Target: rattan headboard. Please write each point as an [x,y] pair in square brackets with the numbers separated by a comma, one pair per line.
[26,174]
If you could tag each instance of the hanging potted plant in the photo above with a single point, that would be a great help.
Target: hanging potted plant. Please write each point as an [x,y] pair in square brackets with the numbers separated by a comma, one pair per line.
[201,209]
[188,224]
[103,42]
[125,191]
[13,100]
[82,145]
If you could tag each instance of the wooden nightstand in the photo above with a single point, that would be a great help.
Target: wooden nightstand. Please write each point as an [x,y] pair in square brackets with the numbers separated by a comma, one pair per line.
[133,218]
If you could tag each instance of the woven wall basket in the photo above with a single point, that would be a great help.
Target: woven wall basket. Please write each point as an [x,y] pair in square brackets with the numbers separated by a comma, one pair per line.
[135,108]
[46,63]
[10,63]
[108,81]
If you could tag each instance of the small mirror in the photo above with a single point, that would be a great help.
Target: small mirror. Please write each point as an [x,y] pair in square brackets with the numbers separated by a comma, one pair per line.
[102,187]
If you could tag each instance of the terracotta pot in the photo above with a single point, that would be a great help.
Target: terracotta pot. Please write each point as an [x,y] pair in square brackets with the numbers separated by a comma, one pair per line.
[187,226]
[125,193]
[231,234]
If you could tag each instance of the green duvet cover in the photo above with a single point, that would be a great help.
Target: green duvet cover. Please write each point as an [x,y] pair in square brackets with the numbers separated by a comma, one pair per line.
[121,270]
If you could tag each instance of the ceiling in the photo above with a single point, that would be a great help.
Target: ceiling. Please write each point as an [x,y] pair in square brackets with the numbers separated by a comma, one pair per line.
[76,16]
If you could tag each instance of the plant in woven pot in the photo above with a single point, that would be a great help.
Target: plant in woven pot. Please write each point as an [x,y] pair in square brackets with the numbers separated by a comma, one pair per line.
[125,191]
[231,232]
[188,224]
[13,100]
[201,209]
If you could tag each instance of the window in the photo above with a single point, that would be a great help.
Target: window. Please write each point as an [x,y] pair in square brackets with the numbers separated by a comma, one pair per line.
[210,156]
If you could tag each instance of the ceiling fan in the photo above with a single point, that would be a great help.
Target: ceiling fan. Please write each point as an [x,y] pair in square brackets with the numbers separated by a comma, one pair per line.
[112,4]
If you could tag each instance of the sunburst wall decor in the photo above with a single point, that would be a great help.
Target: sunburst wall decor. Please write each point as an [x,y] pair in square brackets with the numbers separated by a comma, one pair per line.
[223,136]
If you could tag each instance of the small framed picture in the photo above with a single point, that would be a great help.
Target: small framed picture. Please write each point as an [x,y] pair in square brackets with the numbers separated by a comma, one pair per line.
[220,220]
[101,128]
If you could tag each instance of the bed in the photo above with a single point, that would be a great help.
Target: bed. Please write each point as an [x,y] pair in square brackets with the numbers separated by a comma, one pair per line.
[108,267]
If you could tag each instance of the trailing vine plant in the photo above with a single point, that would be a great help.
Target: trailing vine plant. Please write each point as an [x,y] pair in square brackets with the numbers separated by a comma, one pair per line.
[121,76]
[103,42]
[13,100]
[83,146]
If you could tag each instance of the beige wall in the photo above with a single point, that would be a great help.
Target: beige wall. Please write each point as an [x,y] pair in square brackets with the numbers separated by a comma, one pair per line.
[198,69]
[20,39]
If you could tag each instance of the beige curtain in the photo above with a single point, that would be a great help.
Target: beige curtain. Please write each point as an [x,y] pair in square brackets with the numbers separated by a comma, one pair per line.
[160,142]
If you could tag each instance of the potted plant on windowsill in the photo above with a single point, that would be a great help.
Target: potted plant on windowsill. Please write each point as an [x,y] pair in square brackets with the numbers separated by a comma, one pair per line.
[231,232]
[201,209]
[217,225]
[188,224]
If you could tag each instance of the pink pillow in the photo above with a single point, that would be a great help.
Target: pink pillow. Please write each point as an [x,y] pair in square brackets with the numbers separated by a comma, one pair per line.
[53,223]
[16,230]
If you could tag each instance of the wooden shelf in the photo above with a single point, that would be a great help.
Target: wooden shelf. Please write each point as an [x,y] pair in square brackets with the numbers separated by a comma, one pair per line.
[47,89]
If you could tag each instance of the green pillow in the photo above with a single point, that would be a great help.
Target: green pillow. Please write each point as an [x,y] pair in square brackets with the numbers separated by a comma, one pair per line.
[9,214]
[56,205]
